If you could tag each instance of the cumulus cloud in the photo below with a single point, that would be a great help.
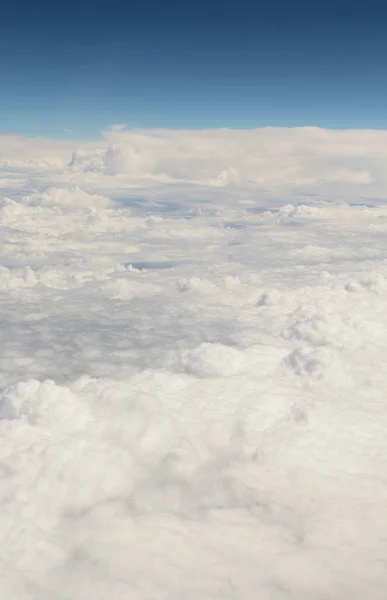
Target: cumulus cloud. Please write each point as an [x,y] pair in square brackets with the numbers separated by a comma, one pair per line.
[18,151]
[64,197]
[192,370]
[275,159]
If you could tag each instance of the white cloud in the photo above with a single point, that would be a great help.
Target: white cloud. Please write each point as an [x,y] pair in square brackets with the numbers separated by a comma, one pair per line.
[64,197]
[274,159]
[192,366]
[18,151]
[266,157]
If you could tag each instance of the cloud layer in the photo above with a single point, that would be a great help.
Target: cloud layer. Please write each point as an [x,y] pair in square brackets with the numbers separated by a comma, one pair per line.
[274,159]
[192,366]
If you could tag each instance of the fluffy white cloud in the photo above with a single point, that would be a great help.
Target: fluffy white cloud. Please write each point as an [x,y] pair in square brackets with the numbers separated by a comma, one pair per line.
[17,151]
[192,369]
[274,159]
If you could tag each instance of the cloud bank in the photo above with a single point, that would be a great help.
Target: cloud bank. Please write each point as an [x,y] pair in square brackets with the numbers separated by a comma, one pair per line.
[192,368]
[263,157]
[275,159]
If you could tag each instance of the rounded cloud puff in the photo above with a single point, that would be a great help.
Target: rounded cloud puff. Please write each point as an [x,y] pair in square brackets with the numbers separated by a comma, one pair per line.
[213,360]
[67,197]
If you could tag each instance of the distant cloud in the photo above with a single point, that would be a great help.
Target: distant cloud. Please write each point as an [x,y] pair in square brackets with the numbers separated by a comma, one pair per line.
[273,158]
[276,160]
[117,127]
[18,151]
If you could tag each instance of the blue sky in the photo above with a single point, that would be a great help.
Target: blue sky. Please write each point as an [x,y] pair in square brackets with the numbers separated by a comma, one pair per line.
[75,68]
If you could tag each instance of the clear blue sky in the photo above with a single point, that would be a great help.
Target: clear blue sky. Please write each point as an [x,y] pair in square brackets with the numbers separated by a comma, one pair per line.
[73,68]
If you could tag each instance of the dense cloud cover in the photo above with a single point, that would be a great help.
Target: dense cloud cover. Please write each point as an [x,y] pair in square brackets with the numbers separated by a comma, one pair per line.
[192,381]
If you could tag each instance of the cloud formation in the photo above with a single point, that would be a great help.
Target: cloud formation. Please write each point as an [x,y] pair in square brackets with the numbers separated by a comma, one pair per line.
[192,369]
[273,159]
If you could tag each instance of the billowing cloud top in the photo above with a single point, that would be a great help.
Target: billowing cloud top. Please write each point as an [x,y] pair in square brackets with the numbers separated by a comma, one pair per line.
[277,159]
